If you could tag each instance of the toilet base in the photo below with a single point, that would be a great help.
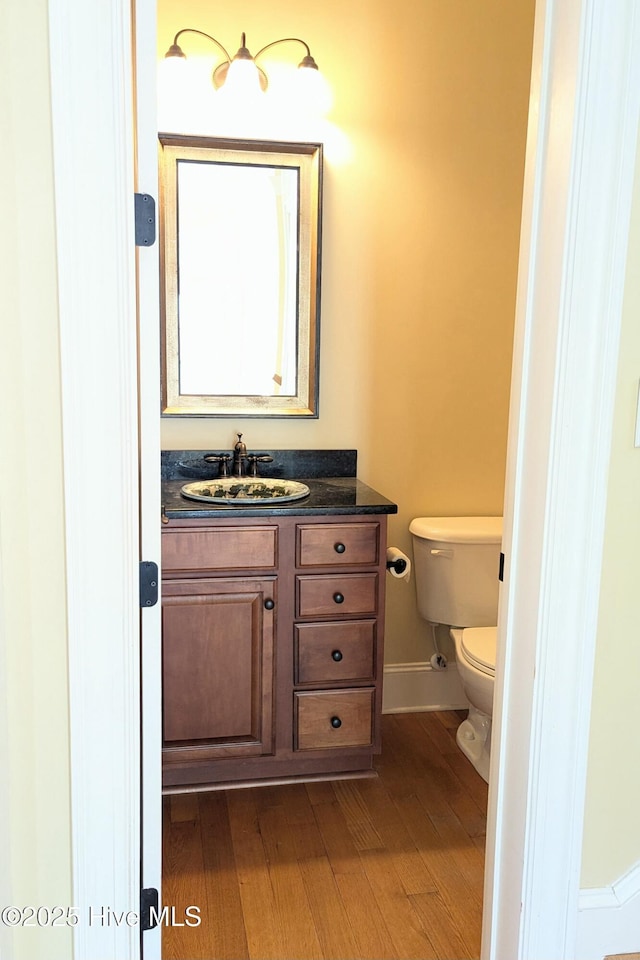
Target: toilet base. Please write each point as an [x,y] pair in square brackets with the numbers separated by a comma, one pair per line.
[473,736]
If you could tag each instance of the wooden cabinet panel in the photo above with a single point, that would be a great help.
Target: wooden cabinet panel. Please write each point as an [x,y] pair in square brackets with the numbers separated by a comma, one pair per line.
[217,666]
[341,595]
[331,652]
[333,718]
[219,548]
[337,544]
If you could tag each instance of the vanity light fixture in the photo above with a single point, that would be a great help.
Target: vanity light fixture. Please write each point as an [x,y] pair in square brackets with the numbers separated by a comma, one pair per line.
[242,72]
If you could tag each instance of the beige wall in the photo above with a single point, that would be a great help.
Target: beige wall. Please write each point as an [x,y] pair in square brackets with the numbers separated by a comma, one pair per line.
[34,728]
[420,244]
[612,827]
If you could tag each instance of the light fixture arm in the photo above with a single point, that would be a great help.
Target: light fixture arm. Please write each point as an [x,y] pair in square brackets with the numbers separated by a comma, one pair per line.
[283,40]
[201,33]
[308,60]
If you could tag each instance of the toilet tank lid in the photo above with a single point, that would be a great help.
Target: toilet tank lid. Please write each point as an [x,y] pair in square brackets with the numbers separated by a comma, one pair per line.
[458,529]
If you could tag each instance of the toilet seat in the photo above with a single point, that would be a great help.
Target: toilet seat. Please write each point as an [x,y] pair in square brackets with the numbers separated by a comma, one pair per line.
[479,648]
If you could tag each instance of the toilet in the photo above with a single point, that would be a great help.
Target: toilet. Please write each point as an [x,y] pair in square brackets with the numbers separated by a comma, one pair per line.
[456,563]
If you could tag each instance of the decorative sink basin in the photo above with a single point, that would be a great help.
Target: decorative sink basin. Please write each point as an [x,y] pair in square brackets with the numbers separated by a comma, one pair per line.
[245,490]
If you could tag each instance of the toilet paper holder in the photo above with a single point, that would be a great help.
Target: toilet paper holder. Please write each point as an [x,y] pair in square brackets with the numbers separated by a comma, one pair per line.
[399,565]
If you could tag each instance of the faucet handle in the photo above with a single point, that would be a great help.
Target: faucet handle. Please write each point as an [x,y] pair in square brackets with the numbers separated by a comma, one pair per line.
[254,459]
[222,459]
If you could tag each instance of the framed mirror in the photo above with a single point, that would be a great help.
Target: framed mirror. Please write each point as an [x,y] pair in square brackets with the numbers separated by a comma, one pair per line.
[240,227]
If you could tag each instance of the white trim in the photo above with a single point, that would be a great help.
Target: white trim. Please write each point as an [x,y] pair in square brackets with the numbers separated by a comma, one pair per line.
[578,182]
[6,934]
[90,48]
[609,918]
[416,687]
[150,497]
[617,894]
[626,888]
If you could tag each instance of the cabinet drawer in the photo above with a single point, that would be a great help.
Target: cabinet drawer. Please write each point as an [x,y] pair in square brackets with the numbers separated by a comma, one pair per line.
[342,595]
[329,652]
[333,718]
[219,548]
[335,544]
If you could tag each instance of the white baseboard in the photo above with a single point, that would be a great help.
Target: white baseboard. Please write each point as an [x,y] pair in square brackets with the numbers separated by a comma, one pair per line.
[609,918]
[415,687]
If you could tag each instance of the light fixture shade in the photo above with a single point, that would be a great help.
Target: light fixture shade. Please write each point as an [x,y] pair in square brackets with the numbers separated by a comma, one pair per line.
[173,66]
[313,93]
[219,76]
[242,79]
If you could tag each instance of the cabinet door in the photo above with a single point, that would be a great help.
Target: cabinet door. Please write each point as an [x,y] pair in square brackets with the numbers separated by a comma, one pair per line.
[218,668]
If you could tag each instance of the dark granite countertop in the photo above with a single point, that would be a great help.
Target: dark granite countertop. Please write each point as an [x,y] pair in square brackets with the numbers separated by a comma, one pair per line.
[331,495]
[329,474]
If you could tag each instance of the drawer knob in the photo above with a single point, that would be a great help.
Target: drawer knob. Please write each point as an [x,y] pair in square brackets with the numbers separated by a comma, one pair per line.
[338,598]
[339,547]
[336,722]
[337,656]
[269,604]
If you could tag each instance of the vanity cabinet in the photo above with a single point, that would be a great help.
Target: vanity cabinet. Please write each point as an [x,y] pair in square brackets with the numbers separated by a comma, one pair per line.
[272,648]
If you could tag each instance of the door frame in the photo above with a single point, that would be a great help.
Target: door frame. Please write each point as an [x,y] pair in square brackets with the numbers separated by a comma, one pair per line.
[564,372]
[144,15]
[581,156]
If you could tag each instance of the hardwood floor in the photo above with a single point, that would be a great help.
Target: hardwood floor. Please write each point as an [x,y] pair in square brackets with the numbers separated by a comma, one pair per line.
[389,868]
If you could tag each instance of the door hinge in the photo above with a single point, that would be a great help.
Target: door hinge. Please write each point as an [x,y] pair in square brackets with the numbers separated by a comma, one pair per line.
[148,583]
[501,570]
[145,217]
[149,898]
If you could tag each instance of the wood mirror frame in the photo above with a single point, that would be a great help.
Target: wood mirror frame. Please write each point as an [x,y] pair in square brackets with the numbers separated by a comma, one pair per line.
[204,339]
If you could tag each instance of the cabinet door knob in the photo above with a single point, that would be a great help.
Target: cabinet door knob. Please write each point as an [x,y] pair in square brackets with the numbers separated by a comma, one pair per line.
[339,547]
[269,604]
[336,722]
[338,598]
[337,656]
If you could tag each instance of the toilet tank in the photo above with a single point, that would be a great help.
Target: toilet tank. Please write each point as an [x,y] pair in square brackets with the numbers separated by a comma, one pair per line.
[456,563]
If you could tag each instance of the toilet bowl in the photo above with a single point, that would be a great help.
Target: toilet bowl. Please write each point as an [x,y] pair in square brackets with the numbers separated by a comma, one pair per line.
[476,658]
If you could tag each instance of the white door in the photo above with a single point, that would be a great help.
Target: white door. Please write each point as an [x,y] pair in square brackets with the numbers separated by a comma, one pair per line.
[90,60]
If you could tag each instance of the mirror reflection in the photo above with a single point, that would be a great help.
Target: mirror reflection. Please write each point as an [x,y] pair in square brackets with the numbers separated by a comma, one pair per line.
[237,229]
[240,229]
